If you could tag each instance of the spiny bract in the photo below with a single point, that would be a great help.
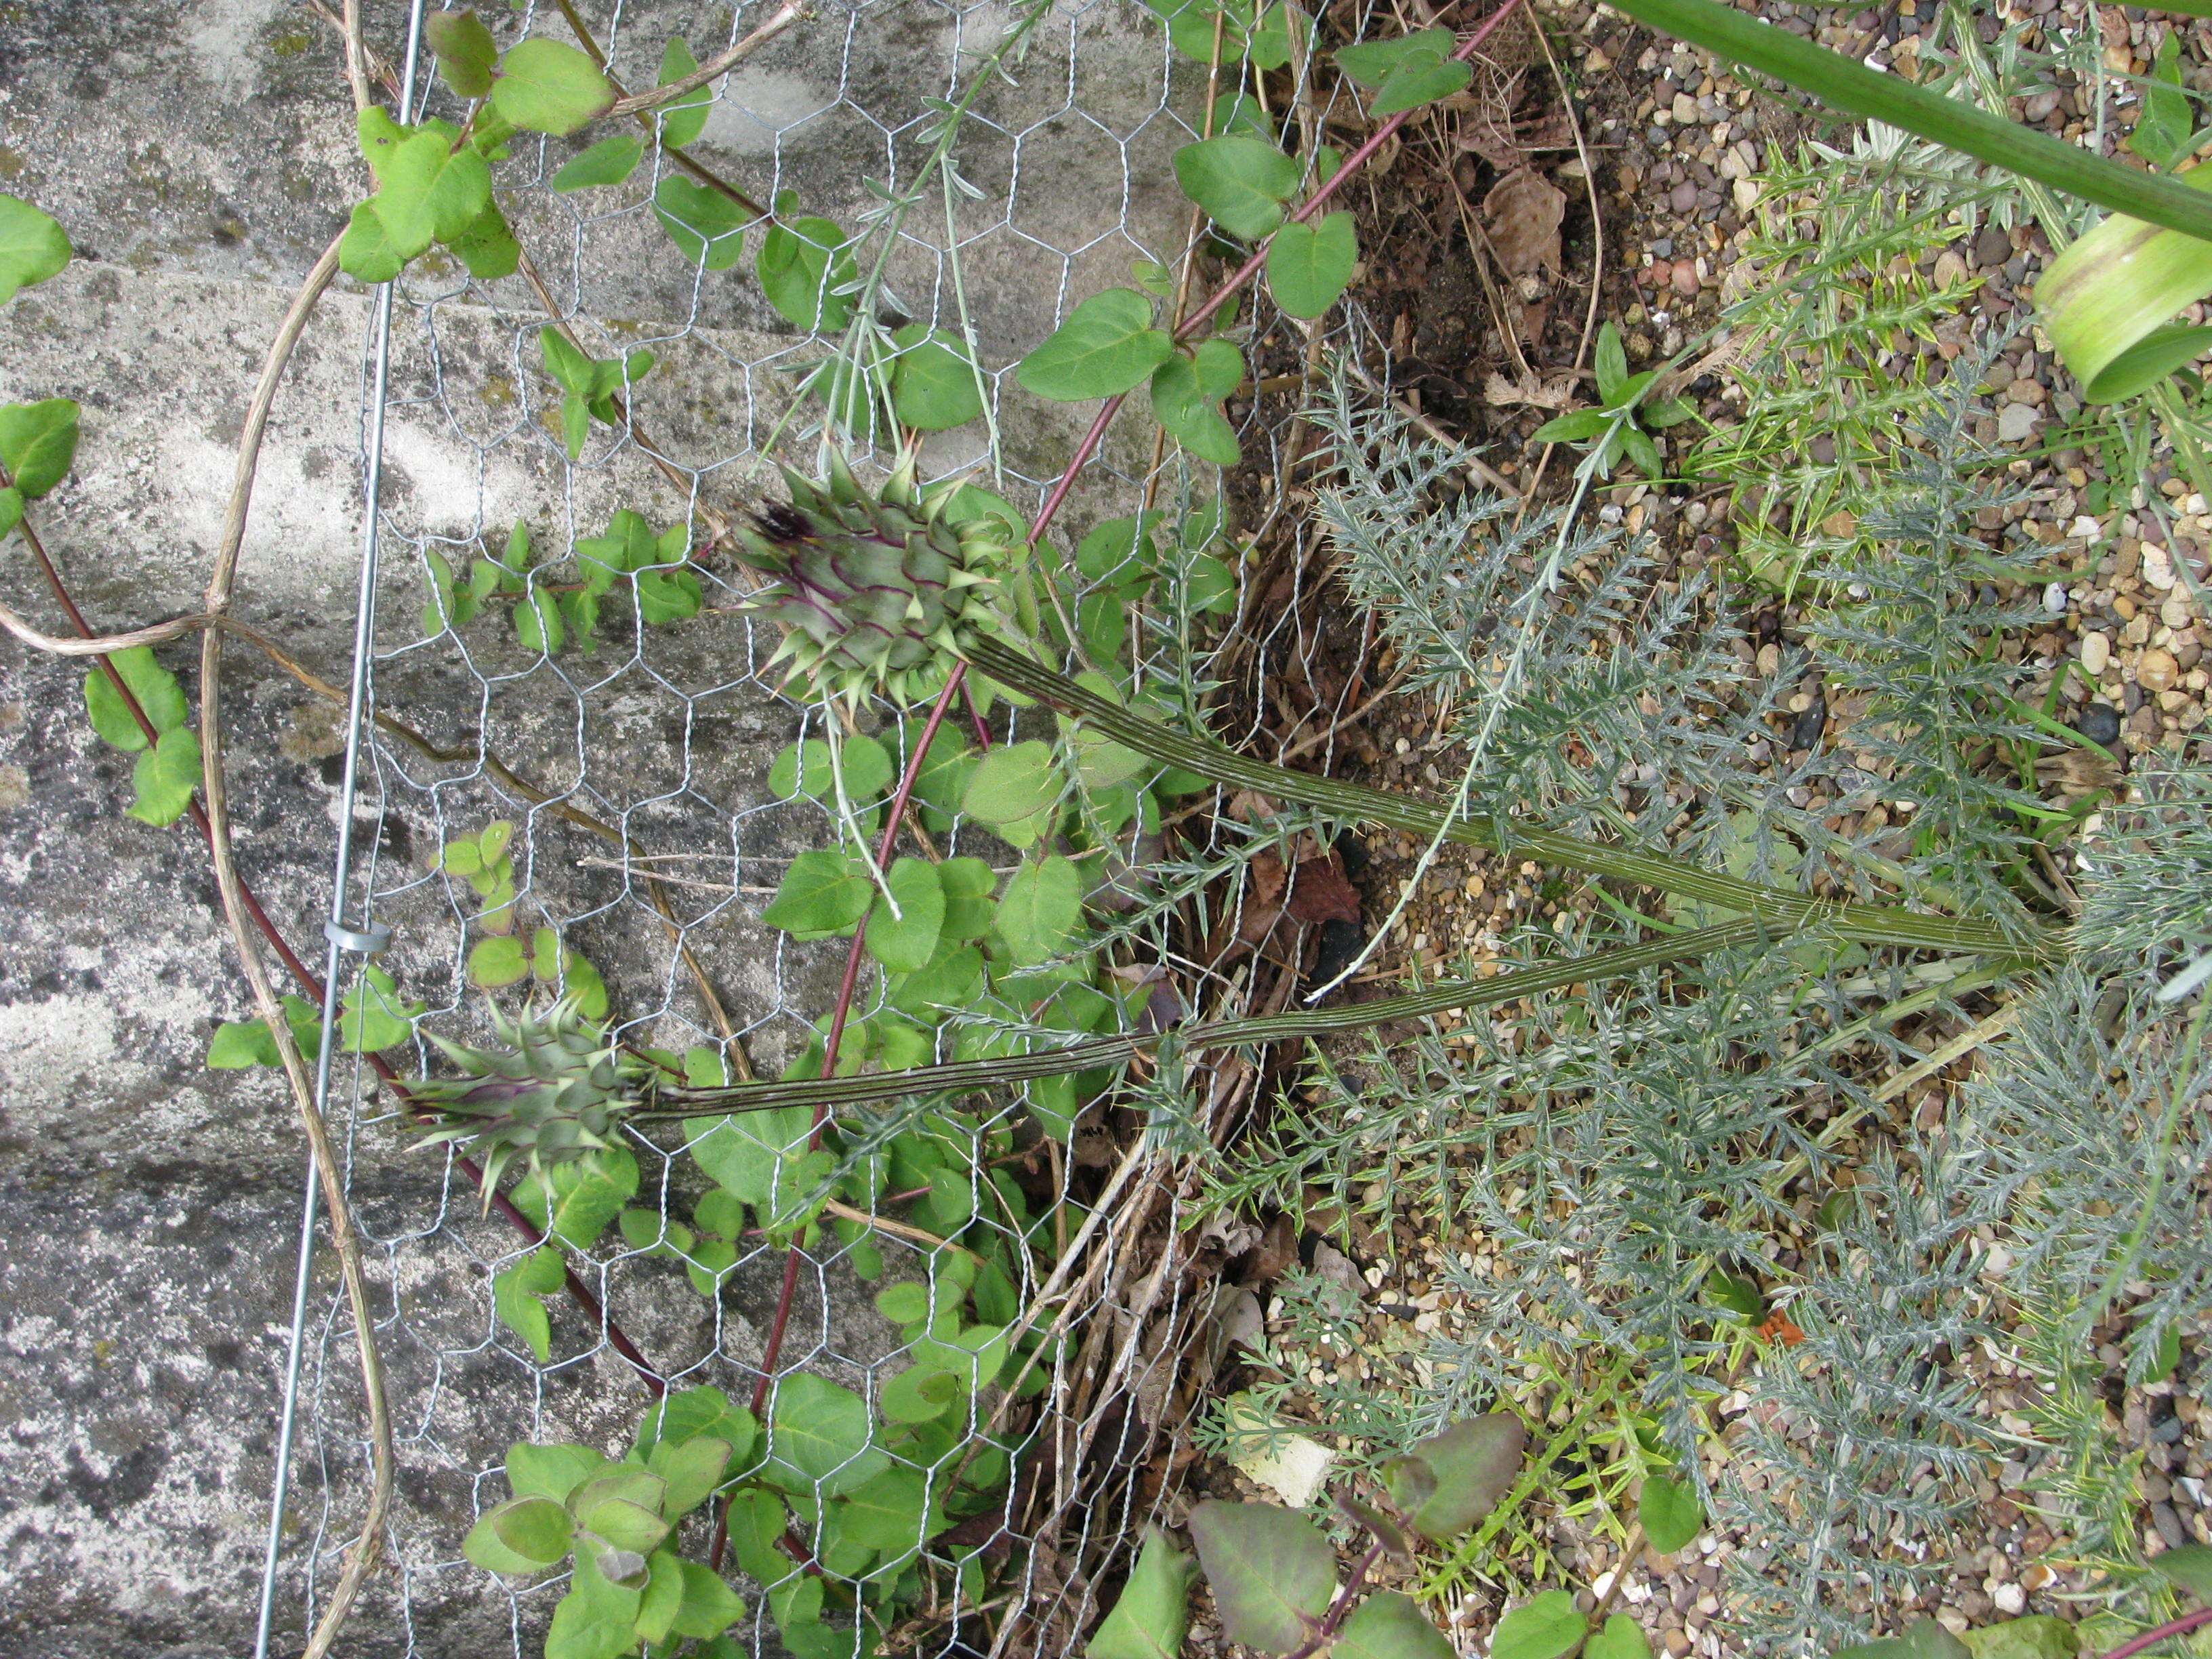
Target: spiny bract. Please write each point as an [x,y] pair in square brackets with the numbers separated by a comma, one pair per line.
[879,591]
[554,1089]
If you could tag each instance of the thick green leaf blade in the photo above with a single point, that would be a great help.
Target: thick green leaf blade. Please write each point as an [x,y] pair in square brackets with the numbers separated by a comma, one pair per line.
[1545,1626]
[921,1394]
[38,441]
[1187,394]
[487,1546]
[2104,301]
[804,263]
[707,227]
[1450,1480]
[1413,85]
[464,50]
[582,1629]
[906,942]
[515,1293]
[607,163]
[1240,181]
[545,86]
[2163,126]
[1152,1615]
[824,891]
[819,1437]
[537,1529]
[1016,783]
[698,1414]
[709,1607]
[2038,1636]
[32,247]
[487,247]
[894,1512]
[1923,1639]
[1106,347]
[1621,1637]
[156,689]
[163,780]
[552,1471]
[1042,904]
[1390,1626]
[2189,1567]
[1372,62]
[1854,90]
[1272,1573]
[683,120]
[1309,266]
[367,253]
[933,385]
[1670,1512]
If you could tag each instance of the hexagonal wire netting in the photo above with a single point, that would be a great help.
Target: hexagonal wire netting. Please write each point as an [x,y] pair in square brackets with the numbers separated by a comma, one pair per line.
[645,837]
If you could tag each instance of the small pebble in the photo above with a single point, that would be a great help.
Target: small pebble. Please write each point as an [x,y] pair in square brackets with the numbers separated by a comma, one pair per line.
[1992,248]
[2054,598]
[2169,1525]
[2096,654]
[2156,671]
[2100,722]
[1685,278]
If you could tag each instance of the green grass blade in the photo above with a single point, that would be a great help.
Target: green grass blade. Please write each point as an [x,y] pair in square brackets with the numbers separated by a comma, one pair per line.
[1857,90]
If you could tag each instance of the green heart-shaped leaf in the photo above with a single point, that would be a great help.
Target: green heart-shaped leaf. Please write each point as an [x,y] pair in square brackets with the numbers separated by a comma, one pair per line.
[32,247]
[1106,347]
[545,86]
[1309,266]
[1240,181]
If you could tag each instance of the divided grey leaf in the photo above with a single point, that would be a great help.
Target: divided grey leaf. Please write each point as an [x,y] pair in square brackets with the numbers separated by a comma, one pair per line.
[1270,1572]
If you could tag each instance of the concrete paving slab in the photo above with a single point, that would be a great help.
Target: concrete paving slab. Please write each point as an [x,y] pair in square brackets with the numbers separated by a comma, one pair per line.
[201,156]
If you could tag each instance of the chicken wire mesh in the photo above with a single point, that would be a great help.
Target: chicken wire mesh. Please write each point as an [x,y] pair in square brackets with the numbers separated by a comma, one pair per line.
[536,813]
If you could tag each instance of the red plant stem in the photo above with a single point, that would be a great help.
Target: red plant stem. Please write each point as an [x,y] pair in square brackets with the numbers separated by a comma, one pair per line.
[1313,203]
[311,983]
[2181,1627]
[976,719]
[1244,274]
[779,1322]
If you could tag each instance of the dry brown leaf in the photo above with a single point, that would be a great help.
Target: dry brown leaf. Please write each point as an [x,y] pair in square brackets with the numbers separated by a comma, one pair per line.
[1501,393]
[1321,892]
[1521,217]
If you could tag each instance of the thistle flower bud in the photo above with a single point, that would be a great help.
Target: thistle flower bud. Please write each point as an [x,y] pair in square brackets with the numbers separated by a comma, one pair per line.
[878,593]
[554,1089]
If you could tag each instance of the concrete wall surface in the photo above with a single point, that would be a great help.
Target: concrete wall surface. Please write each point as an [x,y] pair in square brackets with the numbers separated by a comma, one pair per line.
[201,155]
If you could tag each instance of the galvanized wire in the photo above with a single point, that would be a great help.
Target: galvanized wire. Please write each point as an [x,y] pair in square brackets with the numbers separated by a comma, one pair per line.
[634,776]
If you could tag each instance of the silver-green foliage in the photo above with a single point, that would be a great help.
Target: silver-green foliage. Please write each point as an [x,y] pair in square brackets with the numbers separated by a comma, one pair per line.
[1620,1151]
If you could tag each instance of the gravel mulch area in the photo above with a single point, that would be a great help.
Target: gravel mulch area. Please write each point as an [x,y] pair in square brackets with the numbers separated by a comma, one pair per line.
[1682,148]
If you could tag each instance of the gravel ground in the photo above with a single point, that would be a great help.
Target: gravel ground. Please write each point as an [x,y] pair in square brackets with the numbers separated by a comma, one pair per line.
[1684,147]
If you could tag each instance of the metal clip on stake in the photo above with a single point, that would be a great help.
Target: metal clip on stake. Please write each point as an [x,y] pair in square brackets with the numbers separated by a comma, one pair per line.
[370,940]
